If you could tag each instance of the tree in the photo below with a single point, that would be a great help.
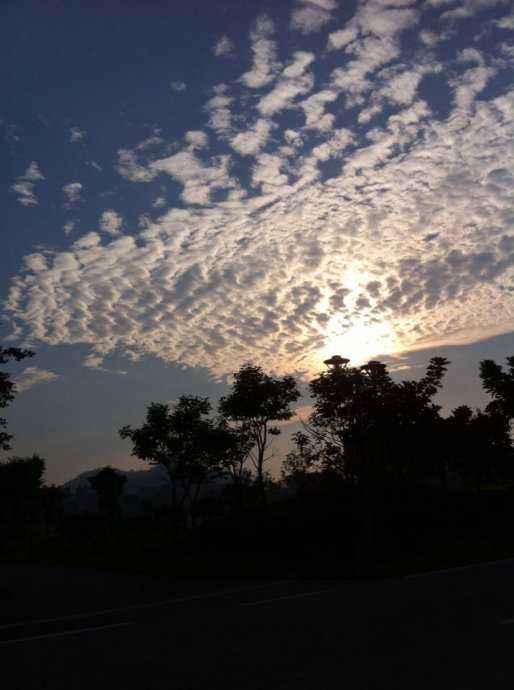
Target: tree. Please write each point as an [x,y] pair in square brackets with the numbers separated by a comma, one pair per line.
[351,406]
[479,445]
[8,388]
[52,500]
[254,403]
[500,386]
[233,445]
[182,439]
[372,430]
[417,426]
[21,480]
[108,484]
[368,426]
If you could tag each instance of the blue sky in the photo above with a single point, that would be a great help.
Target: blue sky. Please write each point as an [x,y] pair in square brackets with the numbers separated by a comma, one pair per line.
[190,186]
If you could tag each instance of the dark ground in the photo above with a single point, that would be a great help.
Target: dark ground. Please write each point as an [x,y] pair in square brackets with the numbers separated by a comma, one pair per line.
[445,630]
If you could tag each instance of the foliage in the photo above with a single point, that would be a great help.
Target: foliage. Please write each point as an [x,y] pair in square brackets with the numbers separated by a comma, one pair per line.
[478,445]
[108,484]
[22,475]
[255,401]
[8,388]
[183,439]
[365,426]
[500,386]
[233,446]
[21,480]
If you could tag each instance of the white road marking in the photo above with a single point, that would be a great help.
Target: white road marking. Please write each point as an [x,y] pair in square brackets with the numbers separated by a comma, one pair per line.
[446,571]
[287,596]
[63,633]
[137,607]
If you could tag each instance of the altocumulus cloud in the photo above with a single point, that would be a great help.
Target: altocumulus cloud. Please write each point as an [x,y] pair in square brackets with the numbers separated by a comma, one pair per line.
[327,231]
[72,193]
[24,187]
[311,15]
[32,376]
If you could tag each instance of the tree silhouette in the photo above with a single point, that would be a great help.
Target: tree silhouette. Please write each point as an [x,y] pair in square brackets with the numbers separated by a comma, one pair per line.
[366,426]
[21,480]
[182,439]
[479,445]
[370,431]
[52,500]
[254,403]
[500,386]
[108,484]
[233,445]
[8,388]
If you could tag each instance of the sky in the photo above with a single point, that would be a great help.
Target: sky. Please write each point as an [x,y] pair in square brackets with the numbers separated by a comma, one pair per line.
[191,186]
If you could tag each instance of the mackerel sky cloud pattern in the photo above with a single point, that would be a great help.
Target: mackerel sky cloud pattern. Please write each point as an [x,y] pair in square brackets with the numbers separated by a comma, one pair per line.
[356,177]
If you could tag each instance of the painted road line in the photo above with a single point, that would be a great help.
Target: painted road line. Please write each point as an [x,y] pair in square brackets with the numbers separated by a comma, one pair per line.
[287,596]
[64,633]
[458,568]
[139,607]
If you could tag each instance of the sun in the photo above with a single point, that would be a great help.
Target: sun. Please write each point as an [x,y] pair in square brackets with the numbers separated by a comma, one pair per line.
[359,343]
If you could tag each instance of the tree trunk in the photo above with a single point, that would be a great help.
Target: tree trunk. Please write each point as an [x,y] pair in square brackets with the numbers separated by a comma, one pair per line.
[260,477]
[261,449]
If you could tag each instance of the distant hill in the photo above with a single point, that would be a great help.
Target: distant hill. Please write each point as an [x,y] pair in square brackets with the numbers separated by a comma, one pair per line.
[154,477]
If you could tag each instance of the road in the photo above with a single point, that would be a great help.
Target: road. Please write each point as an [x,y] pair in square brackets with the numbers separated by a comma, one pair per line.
[449,629]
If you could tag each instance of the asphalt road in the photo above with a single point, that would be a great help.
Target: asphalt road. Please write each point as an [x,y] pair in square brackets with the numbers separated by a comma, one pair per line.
[451,629]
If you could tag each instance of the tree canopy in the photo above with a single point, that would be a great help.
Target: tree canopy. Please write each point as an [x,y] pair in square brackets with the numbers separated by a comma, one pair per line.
[184,440]
[108,484]
[254,403]
[364,425]
[8,388]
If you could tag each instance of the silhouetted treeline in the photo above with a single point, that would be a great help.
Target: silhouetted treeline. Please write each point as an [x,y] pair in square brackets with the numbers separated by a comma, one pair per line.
[367,429]
[376,470]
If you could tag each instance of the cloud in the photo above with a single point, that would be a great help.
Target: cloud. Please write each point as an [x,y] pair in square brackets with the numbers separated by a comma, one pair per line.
[76,134]
[159,202]
[69,227]
[25,184]
[293,82]
[265,64]
[332,208]
[223,47]
[32,376]
[25,193]
[220,115]
[197,139]
[400,84]
[333,147]
[371,37]
[468,8]
[198,180]
[288,256]
[507,50]
[429,38]
[72,192]
[251,141]
[469,84]
[111,222]
[95,362]
[129,167]
[314,109]
[470,55]
[506,22]
[178,86]
[310,16]
[33,173]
